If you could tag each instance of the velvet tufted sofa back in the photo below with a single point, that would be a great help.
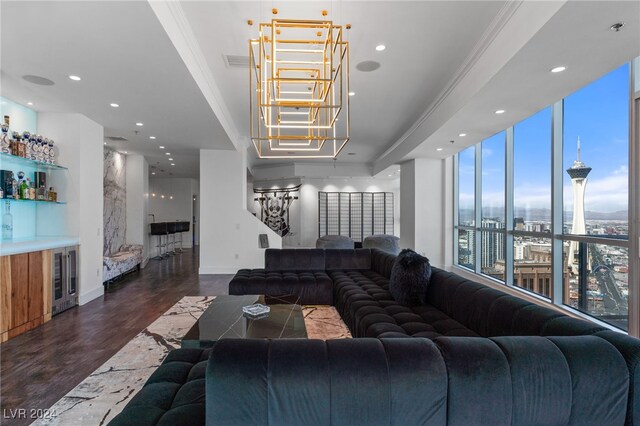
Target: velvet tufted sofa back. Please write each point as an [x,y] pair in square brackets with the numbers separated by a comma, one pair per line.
[453,380]
[338,259]
[490,312]
[294,260]
[382,262]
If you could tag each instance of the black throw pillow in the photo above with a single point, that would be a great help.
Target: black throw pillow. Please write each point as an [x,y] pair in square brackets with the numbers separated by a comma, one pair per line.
[409,278]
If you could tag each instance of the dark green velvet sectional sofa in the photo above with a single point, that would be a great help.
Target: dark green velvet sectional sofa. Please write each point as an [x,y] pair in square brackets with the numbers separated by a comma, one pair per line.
[472,355]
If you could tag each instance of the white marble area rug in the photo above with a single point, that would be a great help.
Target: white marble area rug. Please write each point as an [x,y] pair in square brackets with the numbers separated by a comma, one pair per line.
[102,395]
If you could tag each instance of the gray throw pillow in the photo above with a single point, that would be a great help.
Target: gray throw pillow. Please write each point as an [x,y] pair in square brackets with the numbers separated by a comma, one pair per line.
[409,278]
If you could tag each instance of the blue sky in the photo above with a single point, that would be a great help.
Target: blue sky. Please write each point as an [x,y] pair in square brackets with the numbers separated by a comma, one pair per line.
[599,114]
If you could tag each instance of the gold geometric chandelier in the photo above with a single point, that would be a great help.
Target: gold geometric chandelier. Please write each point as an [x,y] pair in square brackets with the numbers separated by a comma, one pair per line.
[299,89]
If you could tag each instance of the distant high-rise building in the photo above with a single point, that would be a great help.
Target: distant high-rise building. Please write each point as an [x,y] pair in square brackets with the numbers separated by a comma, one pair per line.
[492,243]
[578,173]
[518,224]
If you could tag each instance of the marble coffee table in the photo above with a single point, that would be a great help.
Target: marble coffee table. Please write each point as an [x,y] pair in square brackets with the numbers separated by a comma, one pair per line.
[224,319]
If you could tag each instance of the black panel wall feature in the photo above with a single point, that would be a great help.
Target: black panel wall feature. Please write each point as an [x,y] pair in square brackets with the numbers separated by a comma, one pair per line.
[355,214]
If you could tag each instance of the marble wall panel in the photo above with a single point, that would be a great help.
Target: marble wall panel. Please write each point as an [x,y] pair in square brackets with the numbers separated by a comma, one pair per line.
[115,204]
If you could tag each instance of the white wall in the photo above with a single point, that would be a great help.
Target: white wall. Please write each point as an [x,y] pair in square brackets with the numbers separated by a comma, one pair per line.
[304,211]
[177,203]
[80,144]
[137,177]
[423,206]
[228,231]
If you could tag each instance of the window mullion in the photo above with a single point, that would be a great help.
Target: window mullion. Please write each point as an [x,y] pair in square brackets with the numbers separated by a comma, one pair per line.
[558,287]
[508,204]
[478,209]
[634,200]
[456,206]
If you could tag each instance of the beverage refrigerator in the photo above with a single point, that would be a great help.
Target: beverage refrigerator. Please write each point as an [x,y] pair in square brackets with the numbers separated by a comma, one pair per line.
[64,279]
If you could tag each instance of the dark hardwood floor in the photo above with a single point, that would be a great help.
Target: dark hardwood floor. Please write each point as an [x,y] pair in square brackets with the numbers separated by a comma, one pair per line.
[41,366]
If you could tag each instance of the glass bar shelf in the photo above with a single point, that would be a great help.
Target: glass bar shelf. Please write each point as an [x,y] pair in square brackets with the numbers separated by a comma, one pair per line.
[13,200]
[14,160]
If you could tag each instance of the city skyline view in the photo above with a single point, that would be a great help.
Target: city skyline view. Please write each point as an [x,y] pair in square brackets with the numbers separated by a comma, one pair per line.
[595,276]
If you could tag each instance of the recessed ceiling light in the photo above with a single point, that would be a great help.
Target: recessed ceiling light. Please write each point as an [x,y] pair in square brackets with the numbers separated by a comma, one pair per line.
[162,196]
[29,103]
[75,78]
[167,153]
[161,147]
[124,152]
[170,159]
[438,149]
[171,197]
[390,175]
[152,137]
[114,105]
[140,124]
[153,194]
[380,47]
[352,93]
[153,173]
[558,69]
[104,143]
[172,164]
[500,111]
[462,135]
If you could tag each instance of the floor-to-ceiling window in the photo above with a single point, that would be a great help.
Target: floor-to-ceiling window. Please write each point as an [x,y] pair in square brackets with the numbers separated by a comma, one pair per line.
[532,203]
[466,235]
[596,197]
[492,200]
[571,248]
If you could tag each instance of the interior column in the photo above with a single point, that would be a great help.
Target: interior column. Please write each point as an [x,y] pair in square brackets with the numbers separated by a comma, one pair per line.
[423,217]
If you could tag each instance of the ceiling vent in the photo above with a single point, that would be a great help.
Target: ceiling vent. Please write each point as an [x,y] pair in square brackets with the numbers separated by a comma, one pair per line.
[116,138]
[236,61]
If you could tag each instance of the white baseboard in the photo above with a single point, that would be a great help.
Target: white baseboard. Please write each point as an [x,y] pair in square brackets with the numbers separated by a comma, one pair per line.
[84,298]
[144,262]
[209,270]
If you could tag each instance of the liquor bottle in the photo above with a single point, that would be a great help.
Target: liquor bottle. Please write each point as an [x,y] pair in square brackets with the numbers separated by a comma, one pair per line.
[13,143]
[40,194]
[32,190]
[22,147]
[6,178]
[53,196]
[24,189]
[19,187]
[45,148]
[15,190]
[4,142]
[52,154]
[7,222]
[28,149]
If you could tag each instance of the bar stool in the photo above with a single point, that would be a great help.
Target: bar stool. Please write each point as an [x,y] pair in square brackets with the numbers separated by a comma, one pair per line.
[171,242]
[159,229]
[182,227]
